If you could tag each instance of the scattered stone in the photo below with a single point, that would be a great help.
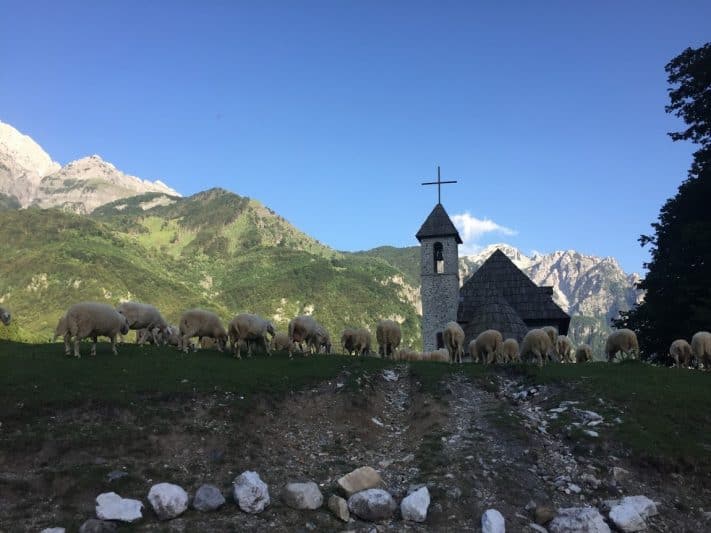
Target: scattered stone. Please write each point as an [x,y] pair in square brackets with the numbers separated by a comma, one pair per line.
[53,530]
[168,500]
[111,506]
[372,504]
[377,422]
[619,473]
[579,520]
[389,375]
[574,488]
[590,415]
[591,433]
[530,506]
[303,495]
[98,526]
[630,513]
[250,492]
[539,529]
[492,521]
[414,507]
[208,498]
[360,479]
[558,410]
[543,514]
[115,475]
[339,507]
[590,481]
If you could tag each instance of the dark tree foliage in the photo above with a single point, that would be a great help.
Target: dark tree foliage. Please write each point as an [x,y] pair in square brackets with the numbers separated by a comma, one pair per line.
[678,283]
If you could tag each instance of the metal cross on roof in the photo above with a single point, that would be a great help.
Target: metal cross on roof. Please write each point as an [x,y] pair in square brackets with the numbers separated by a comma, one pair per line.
[439,183]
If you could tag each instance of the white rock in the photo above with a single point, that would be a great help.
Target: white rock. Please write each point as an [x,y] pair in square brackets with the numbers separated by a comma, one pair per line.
[574,488]
[492,521]
[303,495]
[111,506]
[537,528]
[372,504]
[590,415]
[619,474]
[578,520]
[414,507]
[361,478]
[591,433]
[389,375]
[250,492]
[630,513]
[53,530]
[168,500]
[339,507]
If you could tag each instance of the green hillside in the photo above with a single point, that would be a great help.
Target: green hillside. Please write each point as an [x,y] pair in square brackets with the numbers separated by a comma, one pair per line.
[214,249]
[407,260]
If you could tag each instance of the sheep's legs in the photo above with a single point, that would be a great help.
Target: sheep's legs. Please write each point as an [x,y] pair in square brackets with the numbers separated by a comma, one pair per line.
[76,346]
[113,345]
[93,346]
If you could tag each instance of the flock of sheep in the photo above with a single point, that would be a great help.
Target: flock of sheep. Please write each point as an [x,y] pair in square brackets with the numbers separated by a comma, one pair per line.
[93,319]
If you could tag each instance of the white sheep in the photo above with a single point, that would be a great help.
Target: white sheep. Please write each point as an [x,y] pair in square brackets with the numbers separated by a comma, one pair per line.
[536,343]
[439,356]
[388,335]
[302,329]
[564,349]
[701,348]
[91,320]
[453,337]
[510,351]
[320,340]
[487,347]
[251,329]
[552,333]
[408,354]
[61,330]
[680,351]
[281,341]
[583,354]
[201,323]
[171,336]
[622,340]
[5,316]
[143,317]
[356,341]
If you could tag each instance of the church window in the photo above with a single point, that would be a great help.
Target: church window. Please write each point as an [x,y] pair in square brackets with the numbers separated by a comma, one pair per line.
[440,340]
[438,258]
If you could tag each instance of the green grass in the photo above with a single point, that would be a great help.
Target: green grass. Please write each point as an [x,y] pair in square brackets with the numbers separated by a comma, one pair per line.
[666,421]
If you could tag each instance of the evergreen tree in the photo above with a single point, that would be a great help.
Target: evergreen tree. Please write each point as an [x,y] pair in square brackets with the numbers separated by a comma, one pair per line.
[678,283]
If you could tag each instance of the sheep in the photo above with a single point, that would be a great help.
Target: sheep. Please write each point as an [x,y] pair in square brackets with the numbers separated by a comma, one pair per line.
[407,354]
[453,336]
[701,348]
[510,352]
[583,354]
[92,319]
[250,329]
[303,329]
[388,335]
[150,335]
[61,330]
[201,323]
[552,333]
[487,346]
[143,316]
[536,343]
[564,349]
[171,336]
[356,341]
[622,340]
[5,316]
[281,341]
[680,351]
[440,356]
[321,339]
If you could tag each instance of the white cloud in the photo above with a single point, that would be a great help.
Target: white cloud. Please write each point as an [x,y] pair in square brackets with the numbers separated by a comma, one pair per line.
[471,229]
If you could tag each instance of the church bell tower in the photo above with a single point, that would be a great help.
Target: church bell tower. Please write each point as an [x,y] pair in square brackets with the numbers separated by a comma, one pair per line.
[439,273]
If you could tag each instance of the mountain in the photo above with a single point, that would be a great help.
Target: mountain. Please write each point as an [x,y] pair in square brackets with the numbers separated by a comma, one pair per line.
[214,249]
[28,175]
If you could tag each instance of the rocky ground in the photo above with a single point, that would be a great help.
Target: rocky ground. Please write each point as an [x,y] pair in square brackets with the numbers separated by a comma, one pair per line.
[476,444]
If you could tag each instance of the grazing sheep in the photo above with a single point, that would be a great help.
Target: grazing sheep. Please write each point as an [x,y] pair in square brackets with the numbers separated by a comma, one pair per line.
[171,336]
[91,320]
[303,329]
[201,323]
[622,340]
[407,354]
[250,329]
[701,348]
[439,356]
[552,333]
[509,351]
[564,349]
[487,347]
[150,335]
[356,341]
[680,351]
[321,339]
[453,336]
[388,335]
[583,354]
[281,342]
[144,317]
[536,343]
[5,316]
[61,330]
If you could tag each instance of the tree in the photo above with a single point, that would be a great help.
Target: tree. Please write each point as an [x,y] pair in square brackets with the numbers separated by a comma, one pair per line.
[678,283]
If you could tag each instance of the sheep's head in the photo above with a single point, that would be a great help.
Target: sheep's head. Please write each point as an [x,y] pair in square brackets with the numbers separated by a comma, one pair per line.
[221,341]
[5,317]
[270,329]
[124,325]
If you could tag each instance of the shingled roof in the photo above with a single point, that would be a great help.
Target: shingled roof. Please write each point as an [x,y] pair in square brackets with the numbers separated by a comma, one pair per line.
[438,224]
[534,305]
[492,311]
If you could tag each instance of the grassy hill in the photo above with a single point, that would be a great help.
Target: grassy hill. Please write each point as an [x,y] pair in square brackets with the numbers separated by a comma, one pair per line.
[214,249]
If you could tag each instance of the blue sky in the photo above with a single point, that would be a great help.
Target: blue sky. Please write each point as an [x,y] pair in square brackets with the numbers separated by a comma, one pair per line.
[550,114]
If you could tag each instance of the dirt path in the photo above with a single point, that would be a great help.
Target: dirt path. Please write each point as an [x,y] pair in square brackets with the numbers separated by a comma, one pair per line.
[475,444]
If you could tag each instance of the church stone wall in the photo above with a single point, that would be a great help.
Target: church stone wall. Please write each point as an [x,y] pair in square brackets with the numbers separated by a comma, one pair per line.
[439,292]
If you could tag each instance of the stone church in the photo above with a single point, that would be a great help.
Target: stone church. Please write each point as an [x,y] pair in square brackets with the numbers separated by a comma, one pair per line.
[497,296]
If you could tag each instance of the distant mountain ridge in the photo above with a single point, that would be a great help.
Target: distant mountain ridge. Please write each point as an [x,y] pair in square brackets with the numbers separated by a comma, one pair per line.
[30,176]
